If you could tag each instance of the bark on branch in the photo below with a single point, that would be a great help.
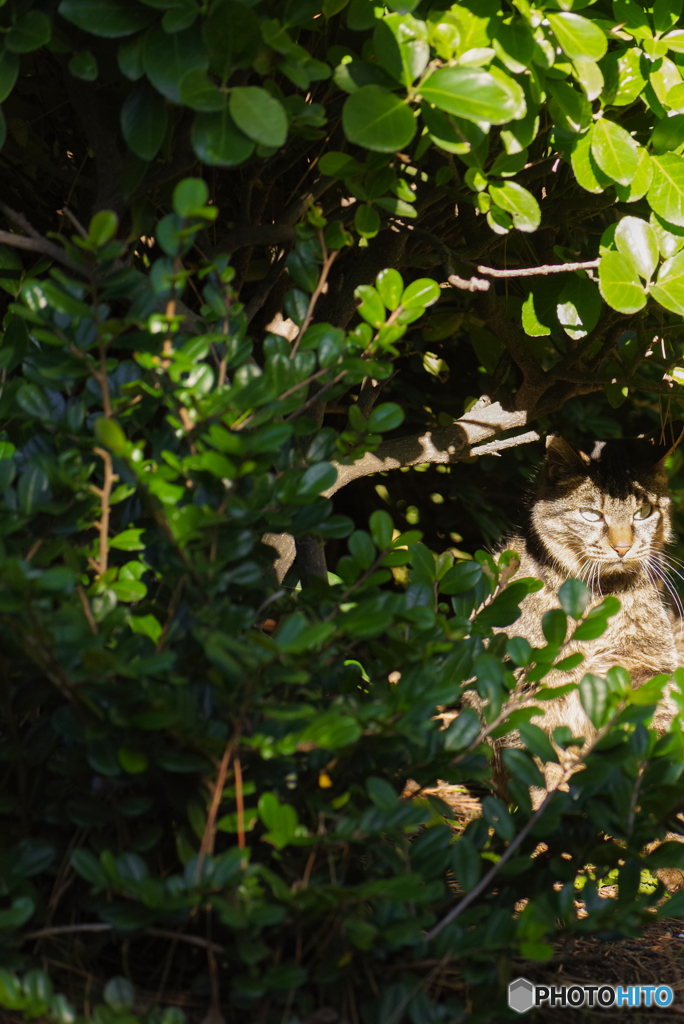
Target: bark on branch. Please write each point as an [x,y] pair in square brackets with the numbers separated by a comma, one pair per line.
[547,268]
[444,445]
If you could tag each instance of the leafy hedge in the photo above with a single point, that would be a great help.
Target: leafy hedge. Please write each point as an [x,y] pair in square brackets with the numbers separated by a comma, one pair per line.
[205,785]
[218,787]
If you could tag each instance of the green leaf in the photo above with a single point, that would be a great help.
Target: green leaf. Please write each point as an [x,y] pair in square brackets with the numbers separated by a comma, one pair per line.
[147,625]
[367,221]
[381,528]
[332,730]
[132,761]
[371,309]
[279,819]
[465,863]
[497,815]
[260,116]
[129,590]
[110,434]
[519,650]
[144,121]
[232,37]
[619,283]
[218,141]
[669,289]
[594,693]
[83,65]
[189,195]
[18,914]
[102,227]
[88,867]
[461,577]
[666,194]
[587,171]
[464,729]
[574,597]
[31,31]
[520,203]
[33,489]
[317,478]
[381,793]
[539,311]
[637,242]
[472,93]
[521,766]
[579,306]
[338,165]
[387,416]
[168,56]
[374,118]
[119,994]
[9,69]
[129,58]
[536,740]
[420,294]
[578,37]
[109,18]
[32,400]
[668,134]
[615,151]
[129,540]
[555,626]
[390,286]
[569,108]
[198,92]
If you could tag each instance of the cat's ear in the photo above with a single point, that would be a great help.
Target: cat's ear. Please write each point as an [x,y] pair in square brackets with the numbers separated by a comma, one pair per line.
[665,439]
[564,462]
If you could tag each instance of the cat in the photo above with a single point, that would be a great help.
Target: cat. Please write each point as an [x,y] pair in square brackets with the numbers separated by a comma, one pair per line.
[602,514]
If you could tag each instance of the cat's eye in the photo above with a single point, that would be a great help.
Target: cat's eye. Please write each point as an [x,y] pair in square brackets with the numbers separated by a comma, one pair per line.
[644,512]
[592,515]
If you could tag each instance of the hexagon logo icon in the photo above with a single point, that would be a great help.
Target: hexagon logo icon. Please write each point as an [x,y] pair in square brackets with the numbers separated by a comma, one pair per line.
[521,995]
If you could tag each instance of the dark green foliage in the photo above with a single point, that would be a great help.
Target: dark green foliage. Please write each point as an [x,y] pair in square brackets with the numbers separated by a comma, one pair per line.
[142,670]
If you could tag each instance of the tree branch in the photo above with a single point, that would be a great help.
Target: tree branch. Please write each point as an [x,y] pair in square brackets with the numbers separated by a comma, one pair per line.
[547,268]
[474,284]
[494,447]
[42,245]
[444,445]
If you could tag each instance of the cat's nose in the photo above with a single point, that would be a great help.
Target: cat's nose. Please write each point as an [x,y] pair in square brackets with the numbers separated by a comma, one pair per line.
[621,549]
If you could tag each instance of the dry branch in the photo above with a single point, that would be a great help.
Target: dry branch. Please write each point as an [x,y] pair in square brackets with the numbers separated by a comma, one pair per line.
[547,268]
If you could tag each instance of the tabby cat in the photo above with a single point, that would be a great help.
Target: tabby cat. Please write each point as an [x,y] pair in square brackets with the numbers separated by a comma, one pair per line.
[602,515]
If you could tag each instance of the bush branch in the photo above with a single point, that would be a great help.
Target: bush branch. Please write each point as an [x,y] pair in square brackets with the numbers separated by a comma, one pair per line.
[547,268]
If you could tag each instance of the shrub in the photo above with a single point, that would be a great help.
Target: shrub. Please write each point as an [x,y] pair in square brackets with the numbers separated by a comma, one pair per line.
[206,782]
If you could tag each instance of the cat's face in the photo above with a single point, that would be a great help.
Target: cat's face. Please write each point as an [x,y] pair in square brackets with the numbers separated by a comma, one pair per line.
[603,515]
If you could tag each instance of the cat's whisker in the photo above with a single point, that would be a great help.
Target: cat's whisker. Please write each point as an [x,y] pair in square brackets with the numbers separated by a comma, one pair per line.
[657,571]
[664,563]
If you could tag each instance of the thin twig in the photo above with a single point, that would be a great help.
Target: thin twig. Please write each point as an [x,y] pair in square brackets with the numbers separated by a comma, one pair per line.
[66,212]
[473,284]
[317,397]
[43,246]
[547,268]
[104,493]
[207,844]
[494,447]
[160,933]
[328,260]
[239,803]
[87,609]
[173,606]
